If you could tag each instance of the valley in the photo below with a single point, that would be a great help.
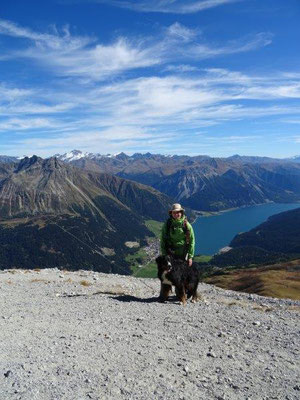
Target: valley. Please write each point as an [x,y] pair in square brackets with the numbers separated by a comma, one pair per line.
[84,213]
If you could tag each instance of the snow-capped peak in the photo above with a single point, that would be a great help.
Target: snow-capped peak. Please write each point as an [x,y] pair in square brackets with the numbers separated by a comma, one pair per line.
[73,155]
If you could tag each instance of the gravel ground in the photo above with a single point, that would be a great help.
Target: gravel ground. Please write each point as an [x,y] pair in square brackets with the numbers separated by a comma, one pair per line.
[85,335]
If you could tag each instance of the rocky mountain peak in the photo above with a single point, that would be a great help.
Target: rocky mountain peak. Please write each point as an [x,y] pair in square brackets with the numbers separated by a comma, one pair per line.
[39,165]
[28,162]
[122,156]
[53,163]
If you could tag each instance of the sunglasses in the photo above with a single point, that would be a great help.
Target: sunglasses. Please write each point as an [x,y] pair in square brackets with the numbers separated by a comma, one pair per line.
[176,212]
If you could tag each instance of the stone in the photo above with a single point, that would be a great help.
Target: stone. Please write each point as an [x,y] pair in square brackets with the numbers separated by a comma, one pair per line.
[211,354]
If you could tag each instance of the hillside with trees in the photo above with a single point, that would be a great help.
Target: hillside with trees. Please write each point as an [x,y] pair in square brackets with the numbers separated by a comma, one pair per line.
[56,215]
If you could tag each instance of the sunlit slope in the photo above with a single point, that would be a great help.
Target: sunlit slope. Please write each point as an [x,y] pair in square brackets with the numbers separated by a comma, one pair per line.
[279,280]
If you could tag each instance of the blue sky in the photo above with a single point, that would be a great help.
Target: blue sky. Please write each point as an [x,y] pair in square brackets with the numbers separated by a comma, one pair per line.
[216,77]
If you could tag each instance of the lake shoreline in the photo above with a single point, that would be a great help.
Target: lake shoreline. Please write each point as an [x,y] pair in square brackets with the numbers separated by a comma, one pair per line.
[205,214]
[215,233]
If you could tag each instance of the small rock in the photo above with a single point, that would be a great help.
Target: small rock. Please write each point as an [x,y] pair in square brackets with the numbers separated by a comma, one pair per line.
[211,354]
[256,323]
[7,373]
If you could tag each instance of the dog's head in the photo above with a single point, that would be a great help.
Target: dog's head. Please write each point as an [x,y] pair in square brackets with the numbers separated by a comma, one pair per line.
[164,263]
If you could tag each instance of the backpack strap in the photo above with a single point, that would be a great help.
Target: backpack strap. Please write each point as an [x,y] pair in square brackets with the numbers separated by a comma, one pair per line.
[187,239]
[186,232]
[168,238]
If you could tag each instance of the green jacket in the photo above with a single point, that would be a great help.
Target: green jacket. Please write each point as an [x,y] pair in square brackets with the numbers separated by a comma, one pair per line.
[176,240]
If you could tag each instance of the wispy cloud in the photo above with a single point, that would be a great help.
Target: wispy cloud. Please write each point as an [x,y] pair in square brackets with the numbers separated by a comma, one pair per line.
[291,121]
[8,93]
[78,56]
[110,140]
[150,107]
[83,57]
[111,99]
[181,68]
[167,6]
[20,124]
[234,138]
[55,40]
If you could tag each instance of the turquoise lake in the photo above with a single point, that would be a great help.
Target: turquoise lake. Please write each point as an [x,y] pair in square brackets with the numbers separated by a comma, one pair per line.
[213,233]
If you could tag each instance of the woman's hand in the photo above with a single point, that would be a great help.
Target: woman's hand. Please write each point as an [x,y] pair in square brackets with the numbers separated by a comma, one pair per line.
[190,262]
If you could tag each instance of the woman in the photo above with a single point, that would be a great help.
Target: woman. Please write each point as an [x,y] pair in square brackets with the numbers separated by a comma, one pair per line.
[177,236]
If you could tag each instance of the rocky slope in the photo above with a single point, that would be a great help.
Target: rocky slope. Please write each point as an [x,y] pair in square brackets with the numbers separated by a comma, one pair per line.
[84,335]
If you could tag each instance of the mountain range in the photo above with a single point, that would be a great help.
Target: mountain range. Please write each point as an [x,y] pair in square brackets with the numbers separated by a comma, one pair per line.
[56,215]
[80,210]
[201,182]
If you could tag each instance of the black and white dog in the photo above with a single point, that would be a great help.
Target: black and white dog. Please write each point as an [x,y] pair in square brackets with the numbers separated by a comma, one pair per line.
[174,272]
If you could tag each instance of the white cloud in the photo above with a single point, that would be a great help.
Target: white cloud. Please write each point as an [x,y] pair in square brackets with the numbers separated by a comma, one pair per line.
[78,56]
[181,32]
[27,107]
[284,91]
[167,6]
[182,68]
[110,140]
[148,107]
[202,51]
[12,93]
[44,41]
[75,56]
[100,106]
[198,99]
[291,121]
[19,124]
[234,138]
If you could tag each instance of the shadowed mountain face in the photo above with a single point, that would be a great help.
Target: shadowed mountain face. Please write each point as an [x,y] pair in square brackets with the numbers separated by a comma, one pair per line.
[8,159]
[204,183]
[55,215]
